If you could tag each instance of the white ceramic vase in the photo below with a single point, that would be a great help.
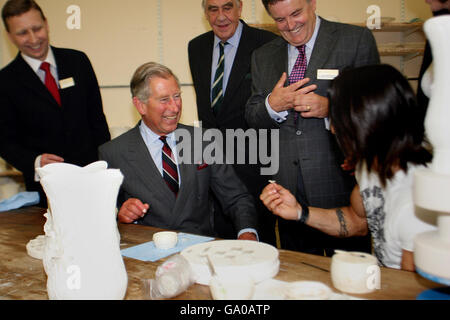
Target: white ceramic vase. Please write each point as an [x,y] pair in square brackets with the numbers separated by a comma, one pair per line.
[432,186]
[82,256]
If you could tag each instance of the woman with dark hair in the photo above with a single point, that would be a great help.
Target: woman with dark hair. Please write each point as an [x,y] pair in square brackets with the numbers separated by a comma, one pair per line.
[380,128]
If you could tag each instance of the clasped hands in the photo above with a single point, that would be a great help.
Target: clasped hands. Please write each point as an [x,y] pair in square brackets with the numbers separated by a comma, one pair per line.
[133,209]
[303,100]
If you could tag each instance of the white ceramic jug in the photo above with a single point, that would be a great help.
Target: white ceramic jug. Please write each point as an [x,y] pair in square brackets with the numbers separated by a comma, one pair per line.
[432,186]
[82,256]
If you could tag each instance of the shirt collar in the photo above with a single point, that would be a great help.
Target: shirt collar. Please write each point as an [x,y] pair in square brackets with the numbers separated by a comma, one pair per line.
[310,44]
[152,137]
[234,40]
[35,64]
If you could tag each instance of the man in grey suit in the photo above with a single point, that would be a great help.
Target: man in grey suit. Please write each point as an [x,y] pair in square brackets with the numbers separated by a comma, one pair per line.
[228,112]
[293,100]
[163,186]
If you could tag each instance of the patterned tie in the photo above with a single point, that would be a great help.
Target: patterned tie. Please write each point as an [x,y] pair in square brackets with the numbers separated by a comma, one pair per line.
[217,87]
[50,82]
[170,172]
[299,70]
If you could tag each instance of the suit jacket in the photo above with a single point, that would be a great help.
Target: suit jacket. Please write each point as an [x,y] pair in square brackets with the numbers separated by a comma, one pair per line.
[190,211]
[231,113]
[309,143]
[32,123]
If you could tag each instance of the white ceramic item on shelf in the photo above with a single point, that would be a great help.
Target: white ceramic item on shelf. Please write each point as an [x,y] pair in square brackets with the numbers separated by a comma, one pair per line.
[165,239]
[82,256]
[354,272]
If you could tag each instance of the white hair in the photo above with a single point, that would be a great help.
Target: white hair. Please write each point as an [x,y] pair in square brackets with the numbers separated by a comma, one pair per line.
[237,2]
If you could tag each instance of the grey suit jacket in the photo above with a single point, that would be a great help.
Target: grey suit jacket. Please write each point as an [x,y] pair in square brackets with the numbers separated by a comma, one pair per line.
[338,46]
[190,211]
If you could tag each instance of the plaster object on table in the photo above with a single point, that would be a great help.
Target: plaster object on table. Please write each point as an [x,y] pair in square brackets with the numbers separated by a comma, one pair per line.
[307,290]
[354,272]
[35,247]
[231,287]
[432,185]
[165,239]
[230,257]
[82,249]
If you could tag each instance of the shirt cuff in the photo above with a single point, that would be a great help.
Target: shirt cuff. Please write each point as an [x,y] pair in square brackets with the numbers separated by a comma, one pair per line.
[248,230]
[37,164]
[277,116]
[327,123]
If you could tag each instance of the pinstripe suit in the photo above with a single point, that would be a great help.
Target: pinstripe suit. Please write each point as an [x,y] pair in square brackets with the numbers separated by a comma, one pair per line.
[308,144]
[190,211]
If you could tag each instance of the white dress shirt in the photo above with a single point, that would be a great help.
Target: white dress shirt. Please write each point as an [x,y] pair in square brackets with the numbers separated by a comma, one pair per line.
[35,65]
[230,53]
[154,146]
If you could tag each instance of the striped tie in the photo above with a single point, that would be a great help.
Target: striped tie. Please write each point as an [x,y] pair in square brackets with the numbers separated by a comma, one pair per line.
[217,87]
[170,172]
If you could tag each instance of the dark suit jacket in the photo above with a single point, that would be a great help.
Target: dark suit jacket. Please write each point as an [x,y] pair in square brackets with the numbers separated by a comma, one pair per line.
[309,143]
[231,113]
[190,211]
[32,123]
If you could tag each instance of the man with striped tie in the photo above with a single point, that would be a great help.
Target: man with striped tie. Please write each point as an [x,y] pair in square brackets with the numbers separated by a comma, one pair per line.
[160,187]
[219,61]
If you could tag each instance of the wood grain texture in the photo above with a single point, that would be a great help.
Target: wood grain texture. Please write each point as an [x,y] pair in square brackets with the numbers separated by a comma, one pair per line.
[24,278]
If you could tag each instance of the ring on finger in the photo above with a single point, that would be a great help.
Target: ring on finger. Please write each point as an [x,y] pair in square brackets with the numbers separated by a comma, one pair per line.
[308,108]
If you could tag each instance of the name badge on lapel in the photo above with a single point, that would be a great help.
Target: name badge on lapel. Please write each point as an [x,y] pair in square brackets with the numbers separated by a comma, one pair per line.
[66,83]
[327,74]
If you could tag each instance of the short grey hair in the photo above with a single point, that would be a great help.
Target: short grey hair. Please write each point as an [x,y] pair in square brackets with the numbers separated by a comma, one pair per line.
[237,2]
[140,81]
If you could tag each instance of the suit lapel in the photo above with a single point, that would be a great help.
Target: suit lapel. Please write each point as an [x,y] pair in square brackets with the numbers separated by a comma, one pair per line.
[65,70]
[240,67]
[205,58]
[140,159]
[322,49]
[31,80]
[187,172]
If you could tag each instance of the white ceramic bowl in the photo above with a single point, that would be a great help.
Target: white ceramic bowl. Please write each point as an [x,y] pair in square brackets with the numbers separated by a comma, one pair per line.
[165,239]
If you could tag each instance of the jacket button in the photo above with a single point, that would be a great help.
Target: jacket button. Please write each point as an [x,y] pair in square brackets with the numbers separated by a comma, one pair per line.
[299,133]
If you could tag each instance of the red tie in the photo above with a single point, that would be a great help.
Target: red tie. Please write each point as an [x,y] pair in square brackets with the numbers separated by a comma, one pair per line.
[299,69]
[170,172]
[50,82]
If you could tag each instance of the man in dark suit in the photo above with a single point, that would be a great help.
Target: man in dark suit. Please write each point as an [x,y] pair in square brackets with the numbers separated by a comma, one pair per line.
[290,80]
[226,111]
[166,184]
[38,125]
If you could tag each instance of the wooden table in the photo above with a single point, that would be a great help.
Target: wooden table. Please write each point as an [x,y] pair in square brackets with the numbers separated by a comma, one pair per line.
[23,277]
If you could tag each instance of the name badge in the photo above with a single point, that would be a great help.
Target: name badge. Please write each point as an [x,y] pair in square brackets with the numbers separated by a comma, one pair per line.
[66,83]
[327,74]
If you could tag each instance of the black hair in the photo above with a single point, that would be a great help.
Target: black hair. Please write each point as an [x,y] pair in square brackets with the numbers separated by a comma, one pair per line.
[377,120]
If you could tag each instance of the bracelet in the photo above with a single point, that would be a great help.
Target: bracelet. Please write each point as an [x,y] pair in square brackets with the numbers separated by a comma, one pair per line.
[302,216]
